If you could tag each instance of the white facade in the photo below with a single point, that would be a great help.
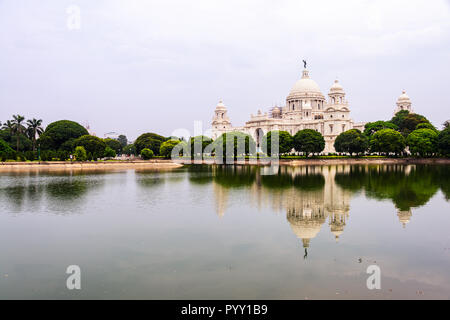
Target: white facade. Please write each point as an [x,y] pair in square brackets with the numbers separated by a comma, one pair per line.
[306,108]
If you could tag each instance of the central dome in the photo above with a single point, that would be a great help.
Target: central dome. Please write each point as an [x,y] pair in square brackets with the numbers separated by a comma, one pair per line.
[305,85]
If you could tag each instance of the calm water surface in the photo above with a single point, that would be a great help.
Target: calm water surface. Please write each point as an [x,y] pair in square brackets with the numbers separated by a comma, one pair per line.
[227,232]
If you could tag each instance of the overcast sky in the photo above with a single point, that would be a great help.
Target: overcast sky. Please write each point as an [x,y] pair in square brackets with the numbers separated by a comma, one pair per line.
[138,66]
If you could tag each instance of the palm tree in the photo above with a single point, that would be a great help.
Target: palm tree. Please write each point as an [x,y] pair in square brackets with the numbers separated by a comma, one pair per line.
[18,128]
[34,128]
[8,125]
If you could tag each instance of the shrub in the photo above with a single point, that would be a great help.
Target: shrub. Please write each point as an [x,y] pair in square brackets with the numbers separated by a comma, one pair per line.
[30,155]
[146,154]
[48,155]
[92,144]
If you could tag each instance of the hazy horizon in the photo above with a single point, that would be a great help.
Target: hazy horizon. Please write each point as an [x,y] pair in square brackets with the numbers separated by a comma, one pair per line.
[135,67]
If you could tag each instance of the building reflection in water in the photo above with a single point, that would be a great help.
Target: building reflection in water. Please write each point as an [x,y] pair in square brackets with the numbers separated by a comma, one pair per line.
[308,195]
[311,195]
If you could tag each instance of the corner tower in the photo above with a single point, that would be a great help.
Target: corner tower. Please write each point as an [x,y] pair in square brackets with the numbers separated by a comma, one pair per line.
[220,123]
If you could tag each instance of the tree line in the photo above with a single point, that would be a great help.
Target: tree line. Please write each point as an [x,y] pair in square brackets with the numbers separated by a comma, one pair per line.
[406,133]
[64,139]
[28,141]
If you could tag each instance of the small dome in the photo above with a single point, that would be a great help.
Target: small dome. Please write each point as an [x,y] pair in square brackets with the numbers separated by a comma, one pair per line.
[305,85]
[404,217]
[404,97]
[276,110]
[336,87]
[305,229]
[220,105]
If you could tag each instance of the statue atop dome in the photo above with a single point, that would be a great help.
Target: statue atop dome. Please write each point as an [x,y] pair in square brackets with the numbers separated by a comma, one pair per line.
[304,64]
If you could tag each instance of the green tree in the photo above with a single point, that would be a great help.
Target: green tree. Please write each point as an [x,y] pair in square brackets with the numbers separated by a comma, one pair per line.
[92,144]
[423,142]
[232,144]
[8,125]
[371,127]
[113,144]
[444,142]
[399,117]
[407,122]
[199,143]
[309,141]
[109,152]
[11,139]
[351,141]
[387,141]
[123,140]
[6,152]
[80,153]
[146,153]
[34,129]
[426,125]
[18,128]
[167,146]
[150,141]
[4,146]
[283,139]
[59,132]
[129,150]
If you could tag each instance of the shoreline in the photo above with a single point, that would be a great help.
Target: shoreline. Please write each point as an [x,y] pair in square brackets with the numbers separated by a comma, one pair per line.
[169,164]
[95,165]
[349,161]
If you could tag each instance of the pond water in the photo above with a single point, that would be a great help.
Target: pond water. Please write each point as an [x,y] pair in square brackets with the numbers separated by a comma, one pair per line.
[227,232]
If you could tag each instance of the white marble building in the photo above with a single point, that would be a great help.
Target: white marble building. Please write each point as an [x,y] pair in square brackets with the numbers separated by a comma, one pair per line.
[306,108]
